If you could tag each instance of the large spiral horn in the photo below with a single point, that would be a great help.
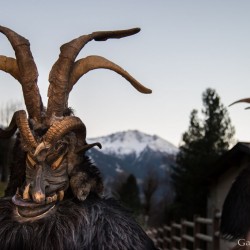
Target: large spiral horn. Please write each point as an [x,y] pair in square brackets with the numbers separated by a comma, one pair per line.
[61,128]
[84,65]
[60,73]
[64,126]
[24,70]
[20,121]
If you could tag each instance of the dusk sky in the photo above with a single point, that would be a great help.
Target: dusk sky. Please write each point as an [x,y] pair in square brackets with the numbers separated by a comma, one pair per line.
[183,48]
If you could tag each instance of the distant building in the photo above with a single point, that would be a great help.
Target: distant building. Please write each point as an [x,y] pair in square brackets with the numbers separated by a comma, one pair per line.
[228,168]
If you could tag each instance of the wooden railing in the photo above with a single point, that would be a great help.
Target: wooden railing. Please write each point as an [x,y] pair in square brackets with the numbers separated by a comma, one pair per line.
[199,234]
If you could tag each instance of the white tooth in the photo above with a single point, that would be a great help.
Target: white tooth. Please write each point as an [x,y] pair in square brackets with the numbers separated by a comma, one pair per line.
[60,195]
[54,197]
[48,200]
[26,195]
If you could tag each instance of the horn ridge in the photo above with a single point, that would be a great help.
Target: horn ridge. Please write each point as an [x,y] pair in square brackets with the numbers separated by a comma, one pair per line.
[9,65]
[61,127]
[28,73]
[60,72]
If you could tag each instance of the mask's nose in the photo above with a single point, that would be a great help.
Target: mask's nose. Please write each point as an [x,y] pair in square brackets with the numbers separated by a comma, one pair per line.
[38,190]
[38,197]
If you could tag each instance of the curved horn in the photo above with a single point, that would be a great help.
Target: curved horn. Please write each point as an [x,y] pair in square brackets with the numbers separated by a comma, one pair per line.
[20,121]
[60,72]
[247,100]
[61,128]
[27,75]
[9,65]
[84,65]
[64,126]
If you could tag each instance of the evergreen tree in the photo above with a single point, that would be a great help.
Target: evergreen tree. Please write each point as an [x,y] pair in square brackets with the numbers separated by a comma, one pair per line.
[129,194]
[218,131]
[204,142]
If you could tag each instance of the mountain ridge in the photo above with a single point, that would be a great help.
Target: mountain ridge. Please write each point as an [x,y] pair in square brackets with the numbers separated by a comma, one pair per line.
[134,152]
[133,141]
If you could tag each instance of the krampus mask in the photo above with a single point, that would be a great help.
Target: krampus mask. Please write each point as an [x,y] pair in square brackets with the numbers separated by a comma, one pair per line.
[53,139]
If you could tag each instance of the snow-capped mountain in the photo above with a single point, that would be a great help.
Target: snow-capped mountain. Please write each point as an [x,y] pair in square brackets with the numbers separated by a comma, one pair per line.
[133,152]
[133,142]
[137,153]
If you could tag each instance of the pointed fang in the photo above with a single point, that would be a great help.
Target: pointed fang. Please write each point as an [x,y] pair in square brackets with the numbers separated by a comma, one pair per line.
[60,195]
[26,195]
[54,197]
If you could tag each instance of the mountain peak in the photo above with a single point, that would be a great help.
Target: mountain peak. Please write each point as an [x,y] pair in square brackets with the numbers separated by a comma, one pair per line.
[133,142]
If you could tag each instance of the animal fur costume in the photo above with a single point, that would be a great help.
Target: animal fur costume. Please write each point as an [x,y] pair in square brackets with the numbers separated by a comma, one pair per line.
[53,199]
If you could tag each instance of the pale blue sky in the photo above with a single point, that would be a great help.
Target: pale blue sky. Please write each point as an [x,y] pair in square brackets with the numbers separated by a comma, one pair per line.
[183,48]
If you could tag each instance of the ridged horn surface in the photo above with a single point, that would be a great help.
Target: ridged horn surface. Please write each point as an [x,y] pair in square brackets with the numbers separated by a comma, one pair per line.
[27,72]
[9,65]
[64,126]
[84,65]
[60,72]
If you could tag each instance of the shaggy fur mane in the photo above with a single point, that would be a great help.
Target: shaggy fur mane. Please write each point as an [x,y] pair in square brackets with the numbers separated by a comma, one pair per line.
[95,224]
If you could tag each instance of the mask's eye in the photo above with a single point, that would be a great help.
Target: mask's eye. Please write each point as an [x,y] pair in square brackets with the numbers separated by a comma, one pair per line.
[57,163]
[30,161]
[52,156]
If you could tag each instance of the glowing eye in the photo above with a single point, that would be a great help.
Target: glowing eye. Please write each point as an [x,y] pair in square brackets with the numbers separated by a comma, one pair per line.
[57,163]
[30,160]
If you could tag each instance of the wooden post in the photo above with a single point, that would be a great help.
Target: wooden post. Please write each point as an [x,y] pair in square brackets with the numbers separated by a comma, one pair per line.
[216,228]
[182,232]
[172,244]
[168,234]
[196,231]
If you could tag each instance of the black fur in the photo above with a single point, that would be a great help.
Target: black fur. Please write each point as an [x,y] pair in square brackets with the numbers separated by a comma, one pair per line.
[95,224]
[85,178]
[17,168]
[235,221]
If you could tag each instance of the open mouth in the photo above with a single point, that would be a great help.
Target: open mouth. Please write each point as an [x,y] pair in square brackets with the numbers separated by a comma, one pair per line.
[29,209]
